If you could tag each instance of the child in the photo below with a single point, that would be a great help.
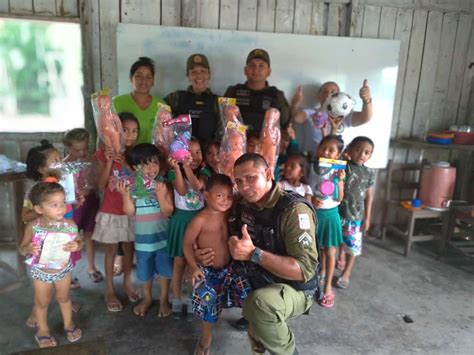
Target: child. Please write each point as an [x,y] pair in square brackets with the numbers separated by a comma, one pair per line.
[253,142]
[112,224]
[356,207]
[211,156]
[209,229]
[188,181]
[294,176]
[38,162]
[329,223]
[288,146]
[151,225]
[77,142]
[48,201]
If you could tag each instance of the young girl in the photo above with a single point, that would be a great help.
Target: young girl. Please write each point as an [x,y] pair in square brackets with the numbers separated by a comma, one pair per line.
[48,201]
[294,176]
[77,142]
[151,210]
[329,223]
[38,162]
[188,182]
[112,224]
[211,156]
[356,207]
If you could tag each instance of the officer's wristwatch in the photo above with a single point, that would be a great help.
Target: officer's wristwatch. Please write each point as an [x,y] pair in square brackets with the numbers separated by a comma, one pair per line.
[256,257]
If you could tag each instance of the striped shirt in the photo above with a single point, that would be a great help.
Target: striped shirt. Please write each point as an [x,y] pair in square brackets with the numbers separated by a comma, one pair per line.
[151,225]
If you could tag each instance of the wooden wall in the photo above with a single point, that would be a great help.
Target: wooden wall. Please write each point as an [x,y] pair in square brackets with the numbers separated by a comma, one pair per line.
[437,44]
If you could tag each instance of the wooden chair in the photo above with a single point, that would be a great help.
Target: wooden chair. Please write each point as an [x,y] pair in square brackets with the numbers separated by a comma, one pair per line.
[403,180]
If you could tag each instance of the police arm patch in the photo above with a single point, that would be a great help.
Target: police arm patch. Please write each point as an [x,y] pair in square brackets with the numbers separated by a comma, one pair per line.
[305,240]
[303,219]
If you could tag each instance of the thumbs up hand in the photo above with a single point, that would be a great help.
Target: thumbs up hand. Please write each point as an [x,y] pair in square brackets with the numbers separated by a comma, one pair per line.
[364,92]
[241,249]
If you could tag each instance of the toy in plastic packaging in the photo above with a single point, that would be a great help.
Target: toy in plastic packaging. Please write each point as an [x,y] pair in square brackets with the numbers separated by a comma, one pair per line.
[179,145]
[328,171]
[75,178]
[108,124]
[51,239]
[270,137]
[234,141]
[228,110]
[143,186]
[163,134]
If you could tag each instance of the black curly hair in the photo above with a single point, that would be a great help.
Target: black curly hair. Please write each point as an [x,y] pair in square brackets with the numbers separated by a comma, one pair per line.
[36,158]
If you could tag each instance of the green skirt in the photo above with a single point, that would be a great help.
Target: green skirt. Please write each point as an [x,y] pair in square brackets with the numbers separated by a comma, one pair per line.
[329,227]
[178,224]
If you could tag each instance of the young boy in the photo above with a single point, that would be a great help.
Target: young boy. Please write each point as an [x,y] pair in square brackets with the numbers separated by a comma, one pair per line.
[151,210]
[215,287]
[356,207]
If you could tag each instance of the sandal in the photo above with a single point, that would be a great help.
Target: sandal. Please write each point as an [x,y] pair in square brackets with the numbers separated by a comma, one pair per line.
[73,334]
[341,283]
[257,347]
[340,265]
[328,300]
[45,341]
[134,297]
[96,276]
[118,269]
[75,283]
[201,350]
[76,307]
[114,306]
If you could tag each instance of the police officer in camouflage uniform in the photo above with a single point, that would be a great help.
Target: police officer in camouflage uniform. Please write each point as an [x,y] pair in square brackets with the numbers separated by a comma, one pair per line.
[198,100]
[276,243]
[255,96]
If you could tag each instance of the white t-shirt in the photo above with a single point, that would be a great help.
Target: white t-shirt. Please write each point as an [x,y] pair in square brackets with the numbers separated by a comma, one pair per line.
[302,189]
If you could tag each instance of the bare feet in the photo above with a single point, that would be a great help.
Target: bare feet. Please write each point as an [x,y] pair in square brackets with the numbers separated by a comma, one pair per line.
[165,309]
[143,307]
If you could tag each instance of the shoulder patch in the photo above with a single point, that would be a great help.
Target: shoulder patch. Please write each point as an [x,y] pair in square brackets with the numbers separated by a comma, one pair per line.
[303,219]
[305,240]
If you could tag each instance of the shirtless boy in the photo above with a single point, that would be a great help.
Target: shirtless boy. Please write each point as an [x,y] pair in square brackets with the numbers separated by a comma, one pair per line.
[216,286]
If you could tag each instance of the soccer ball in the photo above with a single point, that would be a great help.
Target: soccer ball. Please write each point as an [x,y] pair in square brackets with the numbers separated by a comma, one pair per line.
[339,105]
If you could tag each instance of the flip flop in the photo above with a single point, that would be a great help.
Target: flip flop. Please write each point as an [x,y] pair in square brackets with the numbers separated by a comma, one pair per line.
[41,339]
[30,323]
[118,269]
[328,300]
[134,298]
[341,283]
[75,283]
[73,334]
[340,265]
[96,276]
[114,306]
[201,350]
[257,347]
[76,307]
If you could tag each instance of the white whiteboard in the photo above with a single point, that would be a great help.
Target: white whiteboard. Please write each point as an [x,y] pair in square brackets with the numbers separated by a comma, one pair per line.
[295,60]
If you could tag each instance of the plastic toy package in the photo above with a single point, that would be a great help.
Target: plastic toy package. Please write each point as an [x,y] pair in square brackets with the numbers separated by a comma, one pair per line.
[142,186]
[162,134]
[52,239]
[270,137]
[328,171]
[76,177]
[234,140]
[179,144]
[108,124]
[224,103]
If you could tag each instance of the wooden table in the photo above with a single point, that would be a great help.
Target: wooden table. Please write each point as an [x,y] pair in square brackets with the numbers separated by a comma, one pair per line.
[17,179]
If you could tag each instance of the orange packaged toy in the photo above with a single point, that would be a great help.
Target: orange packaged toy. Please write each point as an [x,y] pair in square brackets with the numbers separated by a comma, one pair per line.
[270,137]
[108,124]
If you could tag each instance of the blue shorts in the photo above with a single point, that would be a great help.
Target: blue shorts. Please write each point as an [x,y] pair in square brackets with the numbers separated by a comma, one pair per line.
[153,263]
[223,289]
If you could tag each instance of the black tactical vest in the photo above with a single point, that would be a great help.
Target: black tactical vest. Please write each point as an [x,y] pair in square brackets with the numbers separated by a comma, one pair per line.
[264,229]
[253,104]
[202,109]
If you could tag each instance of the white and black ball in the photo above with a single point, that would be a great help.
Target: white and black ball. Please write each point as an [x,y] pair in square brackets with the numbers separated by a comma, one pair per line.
[339,104]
